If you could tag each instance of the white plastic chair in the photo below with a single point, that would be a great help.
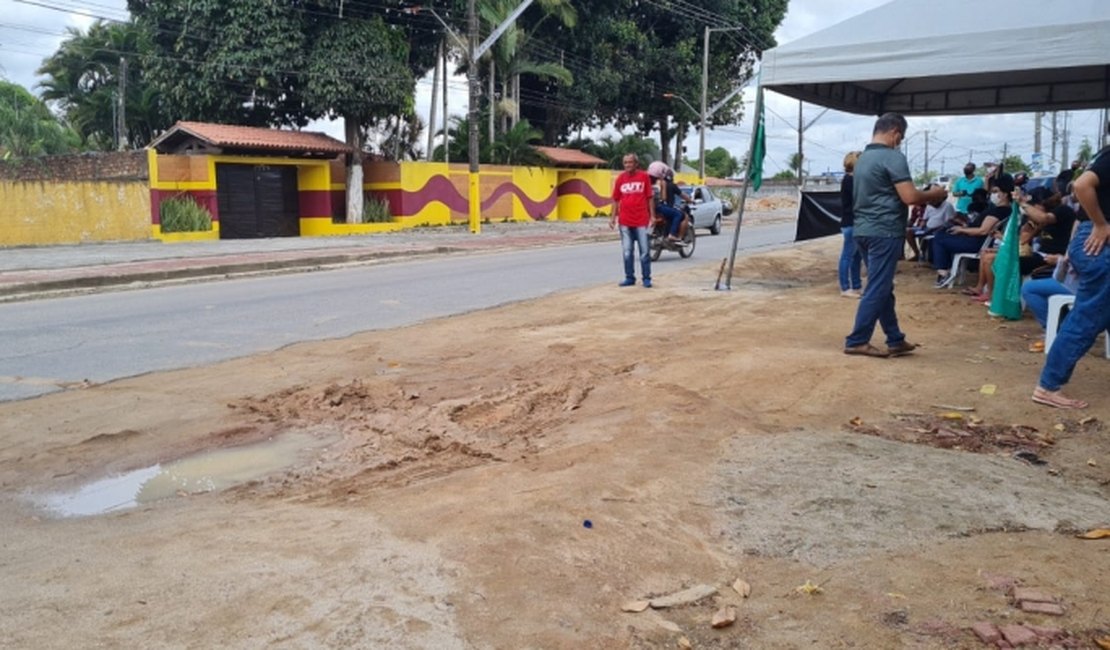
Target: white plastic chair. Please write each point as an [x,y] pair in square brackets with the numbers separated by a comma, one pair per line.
[1056,305]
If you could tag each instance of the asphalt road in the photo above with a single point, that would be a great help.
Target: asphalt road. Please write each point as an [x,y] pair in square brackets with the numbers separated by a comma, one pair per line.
[49,345]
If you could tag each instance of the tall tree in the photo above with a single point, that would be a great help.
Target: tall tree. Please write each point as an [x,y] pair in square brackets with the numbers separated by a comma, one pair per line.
[83,81]
[625,54]
[266,63]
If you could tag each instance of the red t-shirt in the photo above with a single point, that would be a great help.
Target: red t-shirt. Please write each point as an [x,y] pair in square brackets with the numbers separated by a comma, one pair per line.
[633,194]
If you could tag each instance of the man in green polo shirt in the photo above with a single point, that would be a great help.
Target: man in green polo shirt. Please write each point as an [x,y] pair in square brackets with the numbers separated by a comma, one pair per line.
[883,188]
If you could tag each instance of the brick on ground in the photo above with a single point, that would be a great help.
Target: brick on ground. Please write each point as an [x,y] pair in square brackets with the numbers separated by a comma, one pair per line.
[1051,609]
[1031,595]
[1018,635]
[986,631]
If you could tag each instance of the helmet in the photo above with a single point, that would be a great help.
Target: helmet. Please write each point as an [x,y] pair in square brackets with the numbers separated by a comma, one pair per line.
[659,169]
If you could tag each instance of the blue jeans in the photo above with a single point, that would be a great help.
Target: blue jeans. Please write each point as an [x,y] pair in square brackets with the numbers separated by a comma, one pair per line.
[877,303]
[672,215]
[1035,294]
[1088,316]
[639,236]
[850,260]
[946,245]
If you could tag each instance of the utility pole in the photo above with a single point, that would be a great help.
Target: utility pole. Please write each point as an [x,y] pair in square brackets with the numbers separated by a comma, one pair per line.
[492,98]
[1065,161]
[1055,138]
[446,147]
[801,157]
[432,108]
[704,105]
[122,98]
[475,197]
[927,154]
[1037,132]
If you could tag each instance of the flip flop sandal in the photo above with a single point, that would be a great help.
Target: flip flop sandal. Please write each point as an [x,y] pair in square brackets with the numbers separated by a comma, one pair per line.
[1036,346]
[970,292]
[1057,400]
[867,351]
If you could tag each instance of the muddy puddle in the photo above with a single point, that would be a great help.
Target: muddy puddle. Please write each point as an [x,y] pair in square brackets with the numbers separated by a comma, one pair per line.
[202,472]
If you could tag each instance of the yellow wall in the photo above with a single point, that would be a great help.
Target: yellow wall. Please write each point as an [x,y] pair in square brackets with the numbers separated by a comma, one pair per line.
[38,213]
[572,206]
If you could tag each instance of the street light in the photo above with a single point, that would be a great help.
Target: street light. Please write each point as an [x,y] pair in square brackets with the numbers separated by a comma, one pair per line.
[705,113]
[683,100]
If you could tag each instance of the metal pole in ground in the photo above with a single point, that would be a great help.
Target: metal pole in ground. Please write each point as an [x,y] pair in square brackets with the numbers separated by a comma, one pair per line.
[752,164]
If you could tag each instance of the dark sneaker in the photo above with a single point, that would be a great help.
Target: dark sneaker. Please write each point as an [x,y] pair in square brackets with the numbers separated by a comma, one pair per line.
[628,282]
[647,283]
[901,349]
[942,282]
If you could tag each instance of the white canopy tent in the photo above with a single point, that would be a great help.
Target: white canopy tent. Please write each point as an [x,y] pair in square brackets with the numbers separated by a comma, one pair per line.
[946,57]
[949,57]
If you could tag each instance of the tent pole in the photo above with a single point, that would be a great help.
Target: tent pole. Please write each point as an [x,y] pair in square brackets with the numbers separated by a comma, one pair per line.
[747,182]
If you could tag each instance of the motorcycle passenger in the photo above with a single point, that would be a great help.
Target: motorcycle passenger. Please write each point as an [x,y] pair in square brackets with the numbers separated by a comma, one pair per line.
[663,179]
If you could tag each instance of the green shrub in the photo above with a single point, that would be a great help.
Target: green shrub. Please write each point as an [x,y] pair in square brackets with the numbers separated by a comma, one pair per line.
[182,214]
[376,211]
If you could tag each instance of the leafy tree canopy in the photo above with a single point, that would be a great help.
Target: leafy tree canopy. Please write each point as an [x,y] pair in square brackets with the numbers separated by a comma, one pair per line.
[28,128]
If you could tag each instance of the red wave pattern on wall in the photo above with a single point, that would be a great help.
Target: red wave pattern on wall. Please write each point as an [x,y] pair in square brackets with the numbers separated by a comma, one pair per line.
[441,189]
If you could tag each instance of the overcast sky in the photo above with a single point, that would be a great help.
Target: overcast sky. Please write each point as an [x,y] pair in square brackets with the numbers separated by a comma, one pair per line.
[30,32]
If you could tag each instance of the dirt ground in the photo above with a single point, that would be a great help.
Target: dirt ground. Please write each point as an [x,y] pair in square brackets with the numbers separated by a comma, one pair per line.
[704,436]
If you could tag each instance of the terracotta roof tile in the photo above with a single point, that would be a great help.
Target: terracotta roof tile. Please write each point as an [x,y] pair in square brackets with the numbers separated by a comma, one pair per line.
[571,157]
[229,135]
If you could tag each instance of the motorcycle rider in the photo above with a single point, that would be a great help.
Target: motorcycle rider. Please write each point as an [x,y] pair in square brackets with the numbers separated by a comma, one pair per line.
[662,177]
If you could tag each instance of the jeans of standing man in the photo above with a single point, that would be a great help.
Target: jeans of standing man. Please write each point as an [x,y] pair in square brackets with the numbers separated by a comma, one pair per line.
[850,261]
[635,236]
[1035,295]
[672,215]
[877,302]
[1088,316]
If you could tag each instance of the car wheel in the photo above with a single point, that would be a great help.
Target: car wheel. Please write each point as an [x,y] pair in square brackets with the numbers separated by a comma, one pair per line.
[715,229]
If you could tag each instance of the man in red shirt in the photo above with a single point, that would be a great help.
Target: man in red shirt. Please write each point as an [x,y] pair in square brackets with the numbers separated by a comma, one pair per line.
[634,209]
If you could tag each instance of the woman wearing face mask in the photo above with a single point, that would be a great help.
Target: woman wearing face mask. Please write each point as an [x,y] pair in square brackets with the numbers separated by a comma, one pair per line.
[970,238]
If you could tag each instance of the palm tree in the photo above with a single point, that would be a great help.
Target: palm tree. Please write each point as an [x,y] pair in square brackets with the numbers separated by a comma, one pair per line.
[508,59]
[458,139]
[83,78]
[514,147]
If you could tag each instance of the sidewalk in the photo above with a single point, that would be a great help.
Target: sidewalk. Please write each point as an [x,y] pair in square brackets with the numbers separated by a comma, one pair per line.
[32,271]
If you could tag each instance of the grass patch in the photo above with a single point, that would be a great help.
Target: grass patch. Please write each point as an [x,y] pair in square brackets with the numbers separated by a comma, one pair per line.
[183,214]
[376,211]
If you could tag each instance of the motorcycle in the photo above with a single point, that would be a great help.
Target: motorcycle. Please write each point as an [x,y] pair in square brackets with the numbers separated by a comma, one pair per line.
[659,242]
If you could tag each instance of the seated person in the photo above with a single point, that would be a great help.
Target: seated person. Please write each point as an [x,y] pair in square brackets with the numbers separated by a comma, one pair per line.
[980,203]
[1054,219]
[939,215]
[665,192]
[970,238]
[1036,292]
[1042,234]
[915,222]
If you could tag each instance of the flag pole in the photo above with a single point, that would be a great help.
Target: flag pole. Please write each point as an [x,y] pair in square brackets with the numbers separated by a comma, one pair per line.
[755,168]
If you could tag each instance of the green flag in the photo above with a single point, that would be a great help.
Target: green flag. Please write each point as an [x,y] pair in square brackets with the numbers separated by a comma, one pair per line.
[1006,292]
[759,147]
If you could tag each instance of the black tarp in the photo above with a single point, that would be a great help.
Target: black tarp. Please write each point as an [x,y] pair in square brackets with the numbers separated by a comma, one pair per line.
[818,215]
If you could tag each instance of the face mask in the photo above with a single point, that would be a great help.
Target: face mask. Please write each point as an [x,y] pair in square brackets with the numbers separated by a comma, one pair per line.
[996,199]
